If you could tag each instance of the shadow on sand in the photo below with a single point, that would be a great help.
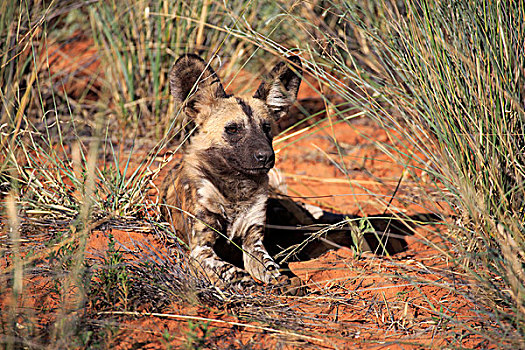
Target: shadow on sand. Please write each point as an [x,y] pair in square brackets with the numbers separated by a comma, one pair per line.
[296,232]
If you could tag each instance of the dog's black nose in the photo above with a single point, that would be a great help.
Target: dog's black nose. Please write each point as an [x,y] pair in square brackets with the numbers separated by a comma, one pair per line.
[264,157]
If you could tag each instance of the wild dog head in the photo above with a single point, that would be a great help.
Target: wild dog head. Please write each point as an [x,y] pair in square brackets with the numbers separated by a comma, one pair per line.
[234,134]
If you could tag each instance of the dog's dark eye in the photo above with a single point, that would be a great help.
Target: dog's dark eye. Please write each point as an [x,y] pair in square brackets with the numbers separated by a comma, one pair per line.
[266,127]
[232,129]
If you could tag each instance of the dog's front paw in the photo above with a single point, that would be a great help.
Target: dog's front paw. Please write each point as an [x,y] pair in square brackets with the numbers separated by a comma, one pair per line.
[243,283]
[261,267]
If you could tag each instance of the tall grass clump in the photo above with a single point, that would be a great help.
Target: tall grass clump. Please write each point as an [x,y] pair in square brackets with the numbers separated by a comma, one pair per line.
[459,69]
[449,77]
[58,183]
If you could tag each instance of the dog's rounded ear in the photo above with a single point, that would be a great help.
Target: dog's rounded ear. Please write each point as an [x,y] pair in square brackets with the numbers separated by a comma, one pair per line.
[193,83]
[279,90]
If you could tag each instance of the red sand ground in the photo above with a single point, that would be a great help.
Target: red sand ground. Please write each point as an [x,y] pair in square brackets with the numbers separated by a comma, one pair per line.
[374,302]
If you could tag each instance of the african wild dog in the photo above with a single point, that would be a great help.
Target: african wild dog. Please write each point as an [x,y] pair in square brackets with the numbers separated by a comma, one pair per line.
[221,185]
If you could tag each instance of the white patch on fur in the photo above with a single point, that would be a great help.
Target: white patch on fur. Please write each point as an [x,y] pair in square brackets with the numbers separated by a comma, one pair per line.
[196,251]
[276,97]
[211,262]
[277,181]
[253,213]
[314,210]
[259,248]
[210,197]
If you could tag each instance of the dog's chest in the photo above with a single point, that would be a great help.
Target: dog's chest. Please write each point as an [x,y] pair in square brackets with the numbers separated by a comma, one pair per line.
[238,216]
[246,216]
